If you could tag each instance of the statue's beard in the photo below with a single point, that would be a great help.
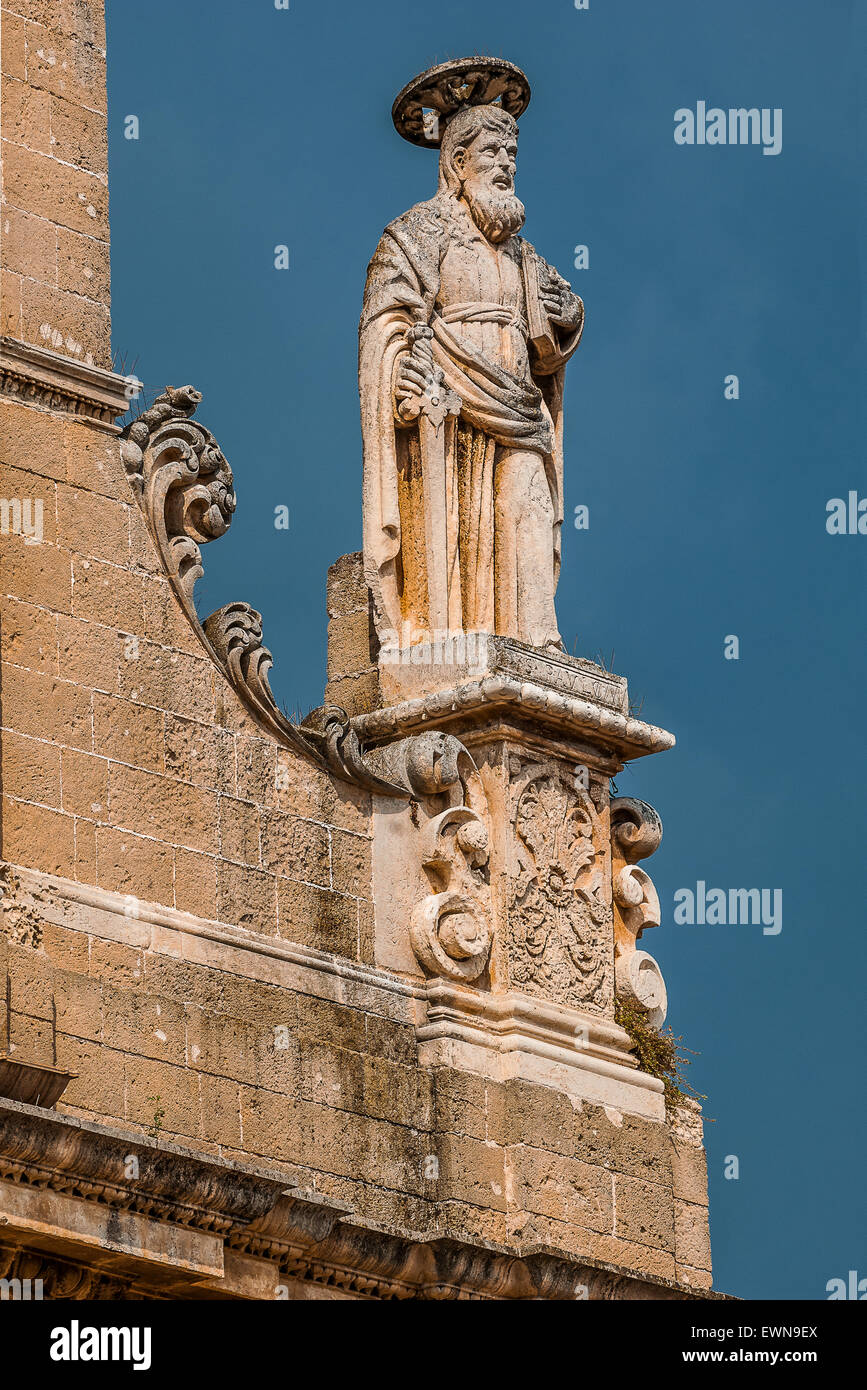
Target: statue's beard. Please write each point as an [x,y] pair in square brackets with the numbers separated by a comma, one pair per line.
[498,215]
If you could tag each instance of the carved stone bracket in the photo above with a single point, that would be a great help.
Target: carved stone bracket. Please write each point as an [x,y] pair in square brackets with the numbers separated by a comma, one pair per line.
[636,832]
[423,765]
[185,487]
[451,929]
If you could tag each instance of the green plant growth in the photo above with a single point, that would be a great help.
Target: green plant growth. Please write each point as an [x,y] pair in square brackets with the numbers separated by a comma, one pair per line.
[658,1052]
[159,1115]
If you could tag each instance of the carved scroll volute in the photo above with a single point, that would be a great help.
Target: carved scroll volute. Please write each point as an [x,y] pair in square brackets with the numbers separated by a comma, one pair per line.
[451,929]
[183,482]
[636,832]
[185,488]
[235,636]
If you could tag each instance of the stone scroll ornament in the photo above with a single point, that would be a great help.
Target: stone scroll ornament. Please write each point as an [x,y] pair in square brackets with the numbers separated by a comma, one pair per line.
[451,929]
[185,488]
[559,918]
[636,832]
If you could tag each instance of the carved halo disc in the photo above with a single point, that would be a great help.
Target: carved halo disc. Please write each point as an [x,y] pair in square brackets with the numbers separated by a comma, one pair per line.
[448,87]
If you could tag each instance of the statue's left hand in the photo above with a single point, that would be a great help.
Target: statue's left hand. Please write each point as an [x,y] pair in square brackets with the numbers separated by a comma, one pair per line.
[561,305]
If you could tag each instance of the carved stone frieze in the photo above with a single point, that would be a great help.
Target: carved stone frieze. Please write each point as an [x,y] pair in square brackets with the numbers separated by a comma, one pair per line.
[32,1274]
[559,897]
[428,668]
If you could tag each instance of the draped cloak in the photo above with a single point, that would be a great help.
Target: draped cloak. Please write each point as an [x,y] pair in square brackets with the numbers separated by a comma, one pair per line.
[519,410]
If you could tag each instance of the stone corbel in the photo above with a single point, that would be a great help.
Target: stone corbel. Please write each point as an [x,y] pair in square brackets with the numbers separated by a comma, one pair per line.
[636,832]
[185,488]
[451,930]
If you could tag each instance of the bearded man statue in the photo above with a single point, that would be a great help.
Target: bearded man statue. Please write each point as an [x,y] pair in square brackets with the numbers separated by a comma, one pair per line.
[464,336]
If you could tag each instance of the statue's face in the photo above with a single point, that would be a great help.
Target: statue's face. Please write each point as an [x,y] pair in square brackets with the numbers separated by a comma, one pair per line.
[488,162]
[486,168]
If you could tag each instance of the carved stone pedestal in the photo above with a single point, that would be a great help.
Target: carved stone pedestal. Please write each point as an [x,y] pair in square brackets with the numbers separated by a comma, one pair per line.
[514,891]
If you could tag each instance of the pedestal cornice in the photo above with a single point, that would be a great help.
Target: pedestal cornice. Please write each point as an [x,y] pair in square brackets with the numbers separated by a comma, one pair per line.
[465,704]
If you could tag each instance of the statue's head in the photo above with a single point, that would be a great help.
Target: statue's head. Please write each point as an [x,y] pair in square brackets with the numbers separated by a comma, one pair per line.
[477,165]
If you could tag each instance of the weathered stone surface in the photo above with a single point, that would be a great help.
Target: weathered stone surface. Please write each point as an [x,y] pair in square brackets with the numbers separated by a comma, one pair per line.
[31,769]
[295,848]
[349,645]
[563,1188]
[54,181]
[644,1212]
[317,917]
[247,897]
[689,1172]
[199,753]
[692,1238]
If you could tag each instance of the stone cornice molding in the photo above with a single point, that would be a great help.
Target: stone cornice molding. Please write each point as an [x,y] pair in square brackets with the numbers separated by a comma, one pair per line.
[517,1020]
[497,694]
[151,925]
[255,1212]
[313,1243]
[37,376]
[41,1148]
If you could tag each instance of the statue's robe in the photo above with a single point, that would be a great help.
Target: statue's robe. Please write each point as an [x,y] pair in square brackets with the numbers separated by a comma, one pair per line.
[433,266]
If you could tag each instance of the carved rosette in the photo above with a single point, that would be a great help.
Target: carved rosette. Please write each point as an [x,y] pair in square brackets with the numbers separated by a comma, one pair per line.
[451,930]
[559,894]
[636,832]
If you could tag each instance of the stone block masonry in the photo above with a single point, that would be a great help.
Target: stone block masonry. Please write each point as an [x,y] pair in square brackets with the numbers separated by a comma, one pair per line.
[54,240]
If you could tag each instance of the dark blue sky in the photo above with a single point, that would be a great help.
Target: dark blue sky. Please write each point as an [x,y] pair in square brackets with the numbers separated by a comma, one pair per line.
[707,517]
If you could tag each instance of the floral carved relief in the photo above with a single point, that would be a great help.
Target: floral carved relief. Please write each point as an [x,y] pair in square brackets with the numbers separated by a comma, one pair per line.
[560,942]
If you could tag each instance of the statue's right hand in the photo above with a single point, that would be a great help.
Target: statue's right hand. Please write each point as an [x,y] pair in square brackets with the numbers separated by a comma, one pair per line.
[410,379]
[415,374]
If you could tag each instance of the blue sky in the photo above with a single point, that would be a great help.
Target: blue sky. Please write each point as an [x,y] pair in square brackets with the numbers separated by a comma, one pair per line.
[261,127]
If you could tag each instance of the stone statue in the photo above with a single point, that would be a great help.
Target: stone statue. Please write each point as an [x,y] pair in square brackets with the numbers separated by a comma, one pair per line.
[464,338]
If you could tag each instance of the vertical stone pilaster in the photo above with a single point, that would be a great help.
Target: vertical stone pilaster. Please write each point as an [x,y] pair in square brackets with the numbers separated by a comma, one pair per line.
[54,235]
